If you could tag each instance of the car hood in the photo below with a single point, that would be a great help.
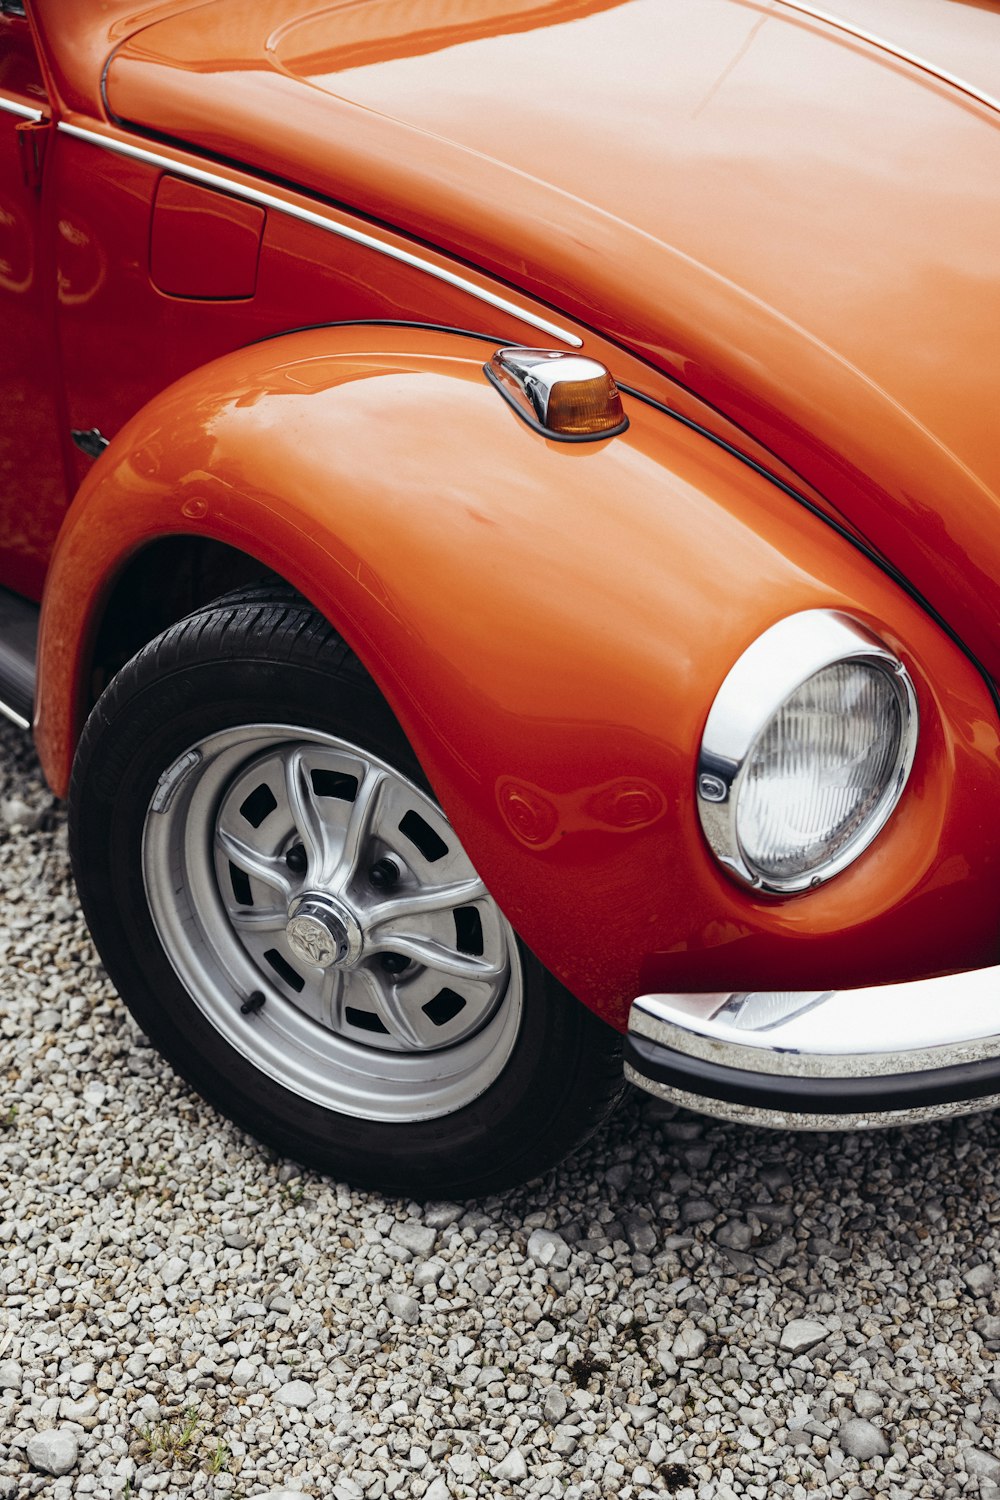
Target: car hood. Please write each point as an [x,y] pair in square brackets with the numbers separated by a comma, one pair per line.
[797,223]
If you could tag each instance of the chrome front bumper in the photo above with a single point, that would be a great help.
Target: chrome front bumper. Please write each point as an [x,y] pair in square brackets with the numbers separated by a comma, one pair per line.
[830,1060]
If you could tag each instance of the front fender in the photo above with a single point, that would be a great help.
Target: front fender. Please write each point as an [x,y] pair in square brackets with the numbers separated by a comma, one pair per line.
[550,623]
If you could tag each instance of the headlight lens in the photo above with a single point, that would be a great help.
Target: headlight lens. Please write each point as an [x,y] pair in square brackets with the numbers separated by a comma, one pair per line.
[806,751]
[819,769]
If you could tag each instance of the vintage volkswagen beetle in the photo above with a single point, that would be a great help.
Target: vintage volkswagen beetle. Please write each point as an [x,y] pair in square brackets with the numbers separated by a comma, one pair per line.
[506,494]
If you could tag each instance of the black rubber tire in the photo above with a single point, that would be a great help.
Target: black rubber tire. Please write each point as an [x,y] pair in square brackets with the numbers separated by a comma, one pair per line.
[264,655]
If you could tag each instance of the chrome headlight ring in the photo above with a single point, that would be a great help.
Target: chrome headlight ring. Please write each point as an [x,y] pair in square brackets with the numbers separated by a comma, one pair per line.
[783,740]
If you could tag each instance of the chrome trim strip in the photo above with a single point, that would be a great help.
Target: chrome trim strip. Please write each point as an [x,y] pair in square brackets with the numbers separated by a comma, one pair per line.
[13,716]
[761,680]
[319,221]
[893,51]
[776,1119]
[24,111]
[880,1031]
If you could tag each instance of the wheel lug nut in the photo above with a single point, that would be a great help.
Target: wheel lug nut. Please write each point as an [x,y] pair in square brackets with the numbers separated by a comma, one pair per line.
[296,859]
[394,963]
[383,874]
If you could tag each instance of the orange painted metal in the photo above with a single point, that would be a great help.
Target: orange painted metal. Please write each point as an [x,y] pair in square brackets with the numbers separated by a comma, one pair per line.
[554,700]
[703,182]
[305,276]
[77,37]
[204,244]
[108,296]
[697,192]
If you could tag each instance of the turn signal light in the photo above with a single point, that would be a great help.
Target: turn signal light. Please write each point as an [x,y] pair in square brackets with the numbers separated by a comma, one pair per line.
[562,395]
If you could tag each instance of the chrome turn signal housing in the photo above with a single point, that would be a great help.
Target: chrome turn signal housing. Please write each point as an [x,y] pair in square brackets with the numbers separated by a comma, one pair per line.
[565,396]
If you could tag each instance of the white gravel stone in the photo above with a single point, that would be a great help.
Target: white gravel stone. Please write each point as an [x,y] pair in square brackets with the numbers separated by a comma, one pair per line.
[735,1235]
[403,1307]
[418,1238]
[512,1468]
[111,1170]
[173,1271]
[546,1248]
[554,1405]
[690,1343]
[15,813]
[441,1215]
[639,1232]
[861,1439]
[53,1452]
[697,1210]
[980,1280]
[980,1464]
[244,1372]
[867,1403]
[78,1411]
[297,1393]
[428,1273]
[779,1252]
[802,1333]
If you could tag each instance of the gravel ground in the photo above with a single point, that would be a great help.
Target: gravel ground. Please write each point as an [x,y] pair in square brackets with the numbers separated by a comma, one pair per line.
[685,1308]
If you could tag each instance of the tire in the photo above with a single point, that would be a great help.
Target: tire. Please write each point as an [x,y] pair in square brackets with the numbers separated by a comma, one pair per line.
[291,919]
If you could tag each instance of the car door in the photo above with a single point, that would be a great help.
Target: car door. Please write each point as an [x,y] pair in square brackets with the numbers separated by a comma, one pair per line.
[32,477]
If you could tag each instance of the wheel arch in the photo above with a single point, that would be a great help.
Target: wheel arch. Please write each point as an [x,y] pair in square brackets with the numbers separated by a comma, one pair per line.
[549,624]
[157,585]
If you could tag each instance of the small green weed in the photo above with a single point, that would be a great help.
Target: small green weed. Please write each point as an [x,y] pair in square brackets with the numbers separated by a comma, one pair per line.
[181,1443]
[218,1459]
[172,1441]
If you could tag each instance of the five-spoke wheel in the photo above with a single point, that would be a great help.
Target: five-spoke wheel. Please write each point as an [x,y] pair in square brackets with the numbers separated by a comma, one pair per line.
[292,919]
[320,910]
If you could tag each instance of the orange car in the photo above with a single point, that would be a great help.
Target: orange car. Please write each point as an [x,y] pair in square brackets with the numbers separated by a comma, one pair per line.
[499,539]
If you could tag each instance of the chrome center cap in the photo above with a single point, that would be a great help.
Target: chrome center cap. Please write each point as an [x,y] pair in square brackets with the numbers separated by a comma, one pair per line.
[322,931]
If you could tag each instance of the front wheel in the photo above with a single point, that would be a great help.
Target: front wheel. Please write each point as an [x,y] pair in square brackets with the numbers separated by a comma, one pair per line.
[291,918]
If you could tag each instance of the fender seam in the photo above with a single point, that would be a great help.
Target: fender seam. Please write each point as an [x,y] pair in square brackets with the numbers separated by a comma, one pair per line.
[857,542]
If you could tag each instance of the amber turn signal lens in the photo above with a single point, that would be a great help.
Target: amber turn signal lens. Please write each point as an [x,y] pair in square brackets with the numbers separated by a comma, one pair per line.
[563,395]
[579,407]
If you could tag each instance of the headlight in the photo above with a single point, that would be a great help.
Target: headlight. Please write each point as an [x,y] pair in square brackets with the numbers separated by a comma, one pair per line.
[806,751]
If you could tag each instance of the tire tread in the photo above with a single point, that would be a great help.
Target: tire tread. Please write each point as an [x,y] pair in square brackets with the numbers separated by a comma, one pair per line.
[565,1098]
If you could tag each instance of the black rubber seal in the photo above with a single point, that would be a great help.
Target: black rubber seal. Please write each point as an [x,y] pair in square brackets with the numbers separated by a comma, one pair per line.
[857,542]
[465,333]
[811,1096]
